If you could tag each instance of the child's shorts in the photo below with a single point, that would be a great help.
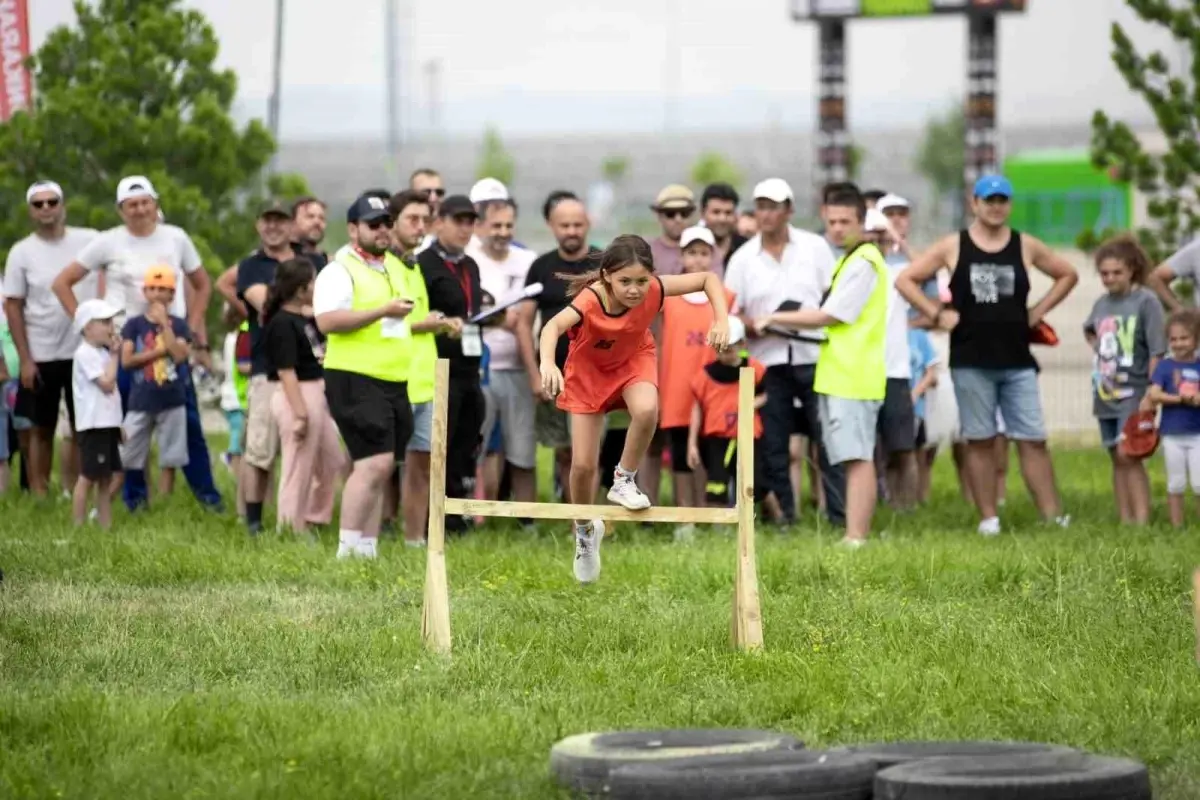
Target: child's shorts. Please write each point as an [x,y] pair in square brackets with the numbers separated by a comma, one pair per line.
[720,466]
[169,430]
[5,447]
[19,423]
[236,419]
[99,453]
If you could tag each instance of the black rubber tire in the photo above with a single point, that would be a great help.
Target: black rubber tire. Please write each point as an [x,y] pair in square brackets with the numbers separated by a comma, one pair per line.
[780,775]
[1038,776]
[584,762]
[887,754]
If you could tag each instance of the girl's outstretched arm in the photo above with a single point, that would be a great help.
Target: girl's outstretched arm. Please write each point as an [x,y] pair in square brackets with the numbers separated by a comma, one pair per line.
[561,322]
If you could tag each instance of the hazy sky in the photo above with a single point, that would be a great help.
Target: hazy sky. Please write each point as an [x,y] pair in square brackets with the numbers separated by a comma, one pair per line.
[590,65]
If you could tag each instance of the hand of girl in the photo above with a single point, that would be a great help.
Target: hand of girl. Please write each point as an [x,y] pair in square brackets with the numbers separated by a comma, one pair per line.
[693,457]
[718,335]
[300,427]
[552,379]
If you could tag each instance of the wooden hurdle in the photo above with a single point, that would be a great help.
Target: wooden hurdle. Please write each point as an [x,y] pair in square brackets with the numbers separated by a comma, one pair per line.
[746,625]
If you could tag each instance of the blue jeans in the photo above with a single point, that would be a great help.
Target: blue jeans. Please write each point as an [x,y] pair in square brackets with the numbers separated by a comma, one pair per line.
[198,471]
[1014,392]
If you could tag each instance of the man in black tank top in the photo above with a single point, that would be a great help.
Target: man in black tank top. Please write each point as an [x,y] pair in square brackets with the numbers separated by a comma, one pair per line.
[990,324]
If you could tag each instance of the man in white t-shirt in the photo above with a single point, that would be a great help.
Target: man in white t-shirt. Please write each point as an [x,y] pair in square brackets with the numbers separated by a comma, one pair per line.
[125,253]
[42,333]
[510,404]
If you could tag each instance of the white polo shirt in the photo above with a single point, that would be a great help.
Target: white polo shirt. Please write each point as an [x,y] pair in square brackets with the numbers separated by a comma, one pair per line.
[898,362]
[761,283]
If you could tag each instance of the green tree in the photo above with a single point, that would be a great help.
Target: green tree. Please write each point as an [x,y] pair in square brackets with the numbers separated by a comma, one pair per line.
[712,167]
[941,158]
[614,168]
[132,89]
[1170,179]
[494,159]
[855,154]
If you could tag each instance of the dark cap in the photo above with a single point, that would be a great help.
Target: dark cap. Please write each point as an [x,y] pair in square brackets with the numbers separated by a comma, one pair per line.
[457,205]
[368,207]
[274,208]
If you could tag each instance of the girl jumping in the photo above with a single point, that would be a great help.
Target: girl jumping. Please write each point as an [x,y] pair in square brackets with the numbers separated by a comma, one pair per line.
[612,364]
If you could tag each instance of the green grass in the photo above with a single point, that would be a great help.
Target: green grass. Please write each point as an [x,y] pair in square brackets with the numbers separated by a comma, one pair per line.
[175,658]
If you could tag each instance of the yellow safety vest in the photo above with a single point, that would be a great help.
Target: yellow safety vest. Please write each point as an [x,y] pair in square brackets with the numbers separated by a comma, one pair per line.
[367,351]
[424,345]
[853,361]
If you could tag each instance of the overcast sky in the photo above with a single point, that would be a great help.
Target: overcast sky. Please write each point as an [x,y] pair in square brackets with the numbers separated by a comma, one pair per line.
[601,65]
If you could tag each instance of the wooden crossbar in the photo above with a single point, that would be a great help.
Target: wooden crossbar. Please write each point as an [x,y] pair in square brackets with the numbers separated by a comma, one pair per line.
[502,508]
[746,624]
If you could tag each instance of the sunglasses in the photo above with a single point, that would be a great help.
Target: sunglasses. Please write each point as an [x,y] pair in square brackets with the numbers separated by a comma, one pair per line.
[51,203]
[438,192]
[376,224]
[677,213]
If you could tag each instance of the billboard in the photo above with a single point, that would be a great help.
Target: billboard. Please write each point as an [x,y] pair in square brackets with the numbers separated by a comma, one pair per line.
[16,90]
[878,9]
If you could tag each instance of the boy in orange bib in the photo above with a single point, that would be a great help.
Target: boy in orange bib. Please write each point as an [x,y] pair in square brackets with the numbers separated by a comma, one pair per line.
[612,364]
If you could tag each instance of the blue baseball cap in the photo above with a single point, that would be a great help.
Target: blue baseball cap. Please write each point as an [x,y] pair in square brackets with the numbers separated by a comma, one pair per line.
[993,185]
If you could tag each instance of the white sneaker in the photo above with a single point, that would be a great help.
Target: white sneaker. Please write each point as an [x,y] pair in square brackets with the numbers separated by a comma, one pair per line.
[1064,521]
[587,553]
[990,527]
[625,492]
[851,544]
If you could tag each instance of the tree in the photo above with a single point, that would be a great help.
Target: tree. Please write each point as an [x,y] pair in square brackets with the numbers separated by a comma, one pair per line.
[494,160]
[1170,179]
[854,160]
[941,158]
[614,168]
[712,167]
[132,89]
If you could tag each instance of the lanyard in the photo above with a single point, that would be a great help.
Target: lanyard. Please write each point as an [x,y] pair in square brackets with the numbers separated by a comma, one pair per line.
[464,281]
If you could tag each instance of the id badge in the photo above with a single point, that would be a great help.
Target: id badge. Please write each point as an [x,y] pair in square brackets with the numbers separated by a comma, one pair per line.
[472,343]
[393,328]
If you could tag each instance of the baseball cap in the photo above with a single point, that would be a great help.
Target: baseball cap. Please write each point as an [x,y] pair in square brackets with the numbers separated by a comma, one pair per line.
[737,330]
[891,201]
[993,186]
[697,233]
[875,221]
[1139,435]
[159,276]
[43,186]
[368,208]
[133,187]
[457,205]
[774,189]
[274,208]
[488,189]
[93,309]
[674,196]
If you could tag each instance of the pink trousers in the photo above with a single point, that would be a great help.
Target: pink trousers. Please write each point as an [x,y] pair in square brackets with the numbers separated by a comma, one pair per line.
[311,465]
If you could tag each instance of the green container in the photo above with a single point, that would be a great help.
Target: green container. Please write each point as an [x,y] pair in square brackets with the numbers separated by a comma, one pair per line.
[1058,194]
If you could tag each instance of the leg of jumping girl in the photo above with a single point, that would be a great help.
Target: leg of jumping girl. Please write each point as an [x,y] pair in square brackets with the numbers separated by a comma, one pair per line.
[586,430]
[641,399]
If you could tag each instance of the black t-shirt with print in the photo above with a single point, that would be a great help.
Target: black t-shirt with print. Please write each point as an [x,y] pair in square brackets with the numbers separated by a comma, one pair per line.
[291,341]
[553,299]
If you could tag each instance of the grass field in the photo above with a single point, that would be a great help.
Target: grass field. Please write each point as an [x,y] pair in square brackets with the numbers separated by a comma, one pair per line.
[175,658]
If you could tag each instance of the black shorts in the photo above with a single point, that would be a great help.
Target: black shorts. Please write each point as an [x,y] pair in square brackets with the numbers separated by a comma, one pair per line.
[99,453]
[921,439]
[373,416]
[677,441]
[897,425]
[53,384]
[610,454]
[720,465]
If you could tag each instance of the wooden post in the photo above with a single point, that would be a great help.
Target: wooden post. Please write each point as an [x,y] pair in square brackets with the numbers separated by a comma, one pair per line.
[435,614]
[747,616]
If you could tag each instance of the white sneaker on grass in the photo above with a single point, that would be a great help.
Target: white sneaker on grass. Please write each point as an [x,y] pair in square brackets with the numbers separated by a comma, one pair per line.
[625,492]
[847,543]
[990,527]
[587,553]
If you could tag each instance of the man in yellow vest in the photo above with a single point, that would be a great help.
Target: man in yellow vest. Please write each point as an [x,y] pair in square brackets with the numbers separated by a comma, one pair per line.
[851,376]
[362,302]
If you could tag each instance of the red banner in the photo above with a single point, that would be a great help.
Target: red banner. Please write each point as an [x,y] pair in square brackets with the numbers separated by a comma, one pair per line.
[16,88]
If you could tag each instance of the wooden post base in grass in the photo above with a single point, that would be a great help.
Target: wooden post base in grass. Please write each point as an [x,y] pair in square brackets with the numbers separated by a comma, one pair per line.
[746,629]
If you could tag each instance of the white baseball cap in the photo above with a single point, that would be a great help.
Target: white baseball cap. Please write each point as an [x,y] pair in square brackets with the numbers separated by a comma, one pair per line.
[697,233]
[737,330]
[134,186]
[43,186]
[488,189]
[891,201]
[876,221]
[94,309]
[774,189]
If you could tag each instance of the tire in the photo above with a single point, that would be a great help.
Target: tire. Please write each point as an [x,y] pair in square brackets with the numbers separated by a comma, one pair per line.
[583,762]
[779,775]
[1039,776]
[888,754]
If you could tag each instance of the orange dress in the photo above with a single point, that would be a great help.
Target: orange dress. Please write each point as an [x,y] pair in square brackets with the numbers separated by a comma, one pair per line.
[719,400]
[687,320]
[609,352]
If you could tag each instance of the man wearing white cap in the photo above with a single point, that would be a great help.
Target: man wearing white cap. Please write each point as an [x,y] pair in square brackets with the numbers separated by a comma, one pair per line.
[41,331]
[125,253]
[782,264]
